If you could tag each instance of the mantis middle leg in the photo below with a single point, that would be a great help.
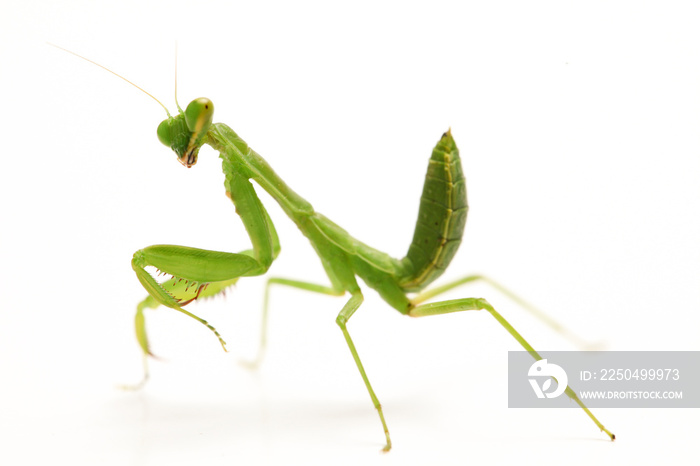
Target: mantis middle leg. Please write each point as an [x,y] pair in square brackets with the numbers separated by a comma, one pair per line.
[262,347]
[346,312]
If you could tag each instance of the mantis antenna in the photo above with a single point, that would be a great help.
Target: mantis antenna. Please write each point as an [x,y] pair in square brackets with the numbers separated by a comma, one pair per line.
[176,102]
[122,77]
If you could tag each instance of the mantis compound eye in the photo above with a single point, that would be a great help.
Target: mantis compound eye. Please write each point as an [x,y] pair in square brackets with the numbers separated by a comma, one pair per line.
[199,115]
[165,132]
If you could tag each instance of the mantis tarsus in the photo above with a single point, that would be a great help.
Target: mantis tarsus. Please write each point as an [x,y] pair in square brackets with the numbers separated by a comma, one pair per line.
[198,273]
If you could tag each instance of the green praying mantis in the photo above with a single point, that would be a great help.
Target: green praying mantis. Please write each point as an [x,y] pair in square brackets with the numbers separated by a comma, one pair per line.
[199,273]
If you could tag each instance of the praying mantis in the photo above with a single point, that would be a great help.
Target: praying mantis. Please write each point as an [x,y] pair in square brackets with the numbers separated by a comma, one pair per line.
[198,273]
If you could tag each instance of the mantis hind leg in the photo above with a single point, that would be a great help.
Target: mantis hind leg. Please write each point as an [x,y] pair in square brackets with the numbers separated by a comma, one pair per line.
[544,317]
[475,304]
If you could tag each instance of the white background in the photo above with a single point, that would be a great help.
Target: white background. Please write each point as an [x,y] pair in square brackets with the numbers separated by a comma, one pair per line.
[579,128]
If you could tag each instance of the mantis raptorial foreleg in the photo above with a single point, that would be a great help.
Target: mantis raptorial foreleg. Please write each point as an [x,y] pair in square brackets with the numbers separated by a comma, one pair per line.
[175,287]
[200,268]
[189,265]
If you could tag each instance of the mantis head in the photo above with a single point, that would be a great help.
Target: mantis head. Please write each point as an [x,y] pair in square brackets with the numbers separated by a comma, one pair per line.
[185,133]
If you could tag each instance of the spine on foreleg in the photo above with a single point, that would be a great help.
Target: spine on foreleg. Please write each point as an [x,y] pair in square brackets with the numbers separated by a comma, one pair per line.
[441,218]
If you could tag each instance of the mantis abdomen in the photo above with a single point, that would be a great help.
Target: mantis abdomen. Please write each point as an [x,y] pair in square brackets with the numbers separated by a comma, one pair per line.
[441,218]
